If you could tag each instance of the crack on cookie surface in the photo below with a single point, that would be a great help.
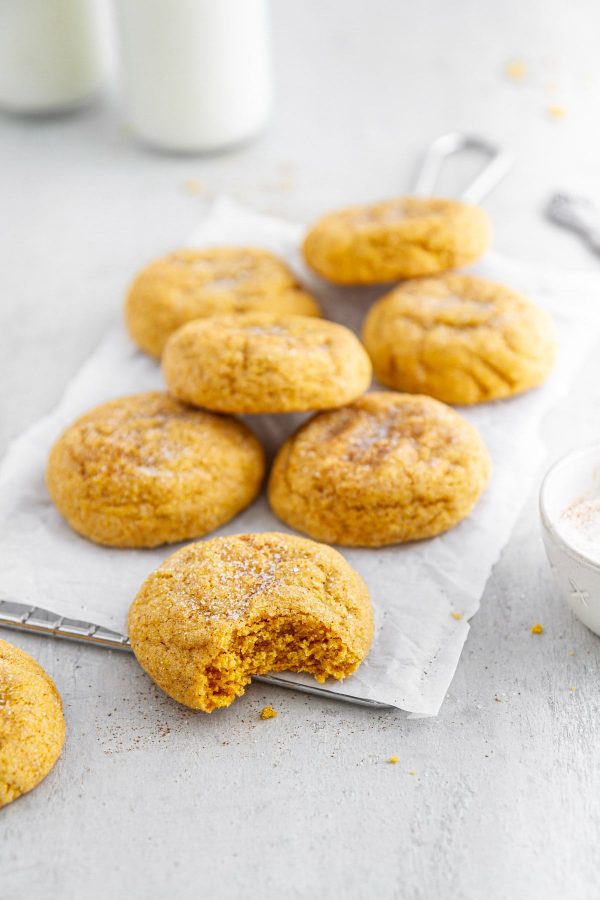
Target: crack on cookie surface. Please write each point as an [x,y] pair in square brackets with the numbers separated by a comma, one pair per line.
[192,284]
[460,339]
[407,237]
[386,469]
[265,364]
[144,470]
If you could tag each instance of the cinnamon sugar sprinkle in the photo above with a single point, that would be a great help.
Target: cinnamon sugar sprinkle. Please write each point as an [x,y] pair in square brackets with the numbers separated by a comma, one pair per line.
[223,585]
[579,526]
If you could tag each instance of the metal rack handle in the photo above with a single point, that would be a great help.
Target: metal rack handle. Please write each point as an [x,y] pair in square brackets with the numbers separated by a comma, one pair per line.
[35,620]
[500,162]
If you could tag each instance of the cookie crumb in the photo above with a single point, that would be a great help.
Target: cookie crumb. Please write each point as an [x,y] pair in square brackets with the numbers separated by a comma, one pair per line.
[573,689]
[557,112]
[456,615]
[393,759]
[537,628]
[412,772]
[267,712]
[515,70]
[193,186]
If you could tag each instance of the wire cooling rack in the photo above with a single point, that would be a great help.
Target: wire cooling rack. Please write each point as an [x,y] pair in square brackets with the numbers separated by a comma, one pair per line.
[36,620]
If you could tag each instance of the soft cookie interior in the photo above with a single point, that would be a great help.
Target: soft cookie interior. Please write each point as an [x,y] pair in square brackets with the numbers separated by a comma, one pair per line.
[294,643]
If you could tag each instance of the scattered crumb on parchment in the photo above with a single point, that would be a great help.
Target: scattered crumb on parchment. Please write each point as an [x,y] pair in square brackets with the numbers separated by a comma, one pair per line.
[393,759]
[537,628]
[456,615]
[267,712]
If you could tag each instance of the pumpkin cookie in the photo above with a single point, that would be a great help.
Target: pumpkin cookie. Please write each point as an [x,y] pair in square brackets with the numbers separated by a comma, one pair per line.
[147,470]
[265,364]
[219,611]
[194,284]
[460,339]
[386,469]
[402,238]
[32,725]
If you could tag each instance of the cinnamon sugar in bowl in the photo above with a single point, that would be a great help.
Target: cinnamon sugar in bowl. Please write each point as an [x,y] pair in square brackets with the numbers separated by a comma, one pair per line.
[570,515]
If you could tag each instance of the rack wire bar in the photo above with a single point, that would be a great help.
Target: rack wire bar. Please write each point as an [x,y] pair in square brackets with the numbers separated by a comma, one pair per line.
[36,620]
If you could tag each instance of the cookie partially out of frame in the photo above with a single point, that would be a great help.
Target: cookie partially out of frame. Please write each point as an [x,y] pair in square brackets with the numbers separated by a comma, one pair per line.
[32,725]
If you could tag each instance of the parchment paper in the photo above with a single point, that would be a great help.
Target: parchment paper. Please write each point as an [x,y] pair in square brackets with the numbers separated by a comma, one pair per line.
[415,587]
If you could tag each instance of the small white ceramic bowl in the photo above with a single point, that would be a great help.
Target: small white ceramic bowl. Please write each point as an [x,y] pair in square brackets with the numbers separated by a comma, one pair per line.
[574,476]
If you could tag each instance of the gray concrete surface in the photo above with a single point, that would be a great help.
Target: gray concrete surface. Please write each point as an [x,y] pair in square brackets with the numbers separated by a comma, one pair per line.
[499,796]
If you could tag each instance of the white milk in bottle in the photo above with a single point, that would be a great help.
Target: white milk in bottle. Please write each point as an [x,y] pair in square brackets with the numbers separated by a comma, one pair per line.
[195,73]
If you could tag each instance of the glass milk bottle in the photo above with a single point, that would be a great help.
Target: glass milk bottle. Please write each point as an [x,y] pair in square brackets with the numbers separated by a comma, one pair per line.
[49,54]
[195,73]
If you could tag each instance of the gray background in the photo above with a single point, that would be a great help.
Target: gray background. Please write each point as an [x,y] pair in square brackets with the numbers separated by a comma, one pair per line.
[500,795]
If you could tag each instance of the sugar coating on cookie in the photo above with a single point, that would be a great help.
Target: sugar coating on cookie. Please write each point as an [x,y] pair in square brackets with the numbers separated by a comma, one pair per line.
[219,611]
[260,363]
[403,238]
[32,725]
[193,284]
[146,470]
[461,339]
[386,469]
